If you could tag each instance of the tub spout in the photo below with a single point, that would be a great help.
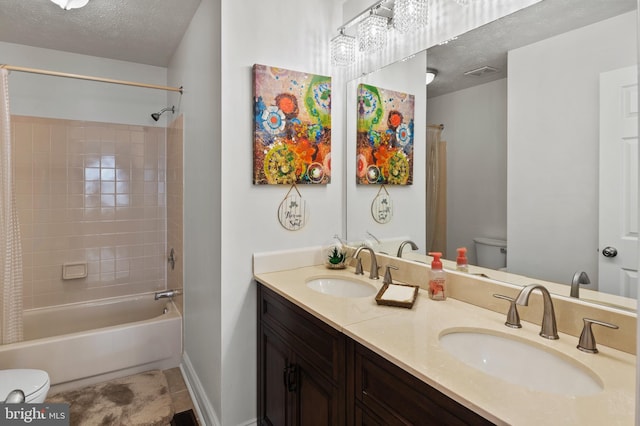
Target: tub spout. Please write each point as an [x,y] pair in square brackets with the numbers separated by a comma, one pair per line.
[168,294]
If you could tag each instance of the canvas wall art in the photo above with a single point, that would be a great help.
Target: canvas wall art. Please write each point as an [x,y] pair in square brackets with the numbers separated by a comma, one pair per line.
[292,127]
[384,148]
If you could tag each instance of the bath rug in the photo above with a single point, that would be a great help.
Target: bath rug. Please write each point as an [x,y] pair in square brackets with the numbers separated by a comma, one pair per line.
[184,418]
[142,399]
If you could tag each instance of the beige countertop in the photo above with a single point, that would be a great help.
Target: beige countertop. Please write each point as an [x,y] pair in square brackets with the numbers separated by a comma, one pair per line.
[410,339]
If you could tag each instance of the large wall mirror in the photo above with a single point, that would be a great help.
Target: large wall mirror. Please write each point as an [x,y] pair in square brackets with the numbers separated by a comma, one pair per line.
[536,117]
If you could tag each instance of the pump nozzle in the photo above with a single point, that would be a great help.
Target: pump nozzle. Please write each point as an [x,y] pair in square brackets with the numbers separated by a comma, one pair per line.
[462,256]
[436,264]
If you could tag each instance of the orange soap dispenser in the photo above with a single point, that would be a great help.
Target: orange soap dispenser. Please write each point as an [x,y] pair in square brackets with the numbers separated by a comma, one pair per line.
[462,264]
[437,280]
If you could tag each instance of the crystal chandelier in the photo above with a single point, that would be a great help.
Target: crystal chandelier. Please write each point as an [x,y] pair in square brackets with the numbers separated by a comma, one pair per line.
[71,4]
[343,49]
[372,32]
[410,15]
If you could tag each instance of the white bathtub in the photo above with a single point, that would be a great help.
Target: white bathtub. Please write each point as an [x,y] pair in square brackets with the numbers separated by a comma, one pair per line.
[85,343]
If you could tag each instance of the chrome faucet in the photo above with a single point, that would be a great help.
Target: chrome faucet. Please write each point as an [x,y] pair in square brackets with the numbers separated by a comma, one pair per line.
[549,329]
[166,294]
[578,278]
[404,243]
[373,272]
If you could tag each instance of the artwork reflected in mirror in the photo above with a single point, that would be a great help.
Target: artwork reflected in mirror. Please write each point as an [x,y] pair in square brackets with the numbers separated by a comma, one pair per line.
[386,108]
[385,136]
[523,123]
[292,127]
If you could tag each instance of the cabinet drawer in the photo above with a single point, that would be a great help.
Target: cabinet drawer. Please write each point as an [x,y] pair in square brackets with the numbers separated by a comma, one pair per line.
[387,390]
[319,344]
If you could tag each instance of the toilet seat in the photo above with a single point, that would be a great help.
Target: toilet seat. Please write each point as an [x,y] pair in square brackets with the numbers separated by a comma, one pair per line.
[34,383]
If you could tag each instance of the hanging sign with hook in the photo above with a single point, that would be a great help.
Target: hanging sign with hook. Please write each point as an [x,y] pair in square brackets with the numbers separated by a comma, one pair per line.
[382,206]
[293,212]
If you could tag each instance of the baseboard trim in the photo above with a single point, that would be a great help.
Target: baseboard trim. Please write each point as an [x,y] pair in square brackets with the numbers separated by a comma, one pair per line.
[205,411]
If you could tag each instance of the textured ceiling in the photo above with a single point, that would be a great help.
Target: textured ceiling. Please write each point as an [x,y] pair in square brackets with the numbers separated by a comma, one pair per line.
[488,45]
[142,31]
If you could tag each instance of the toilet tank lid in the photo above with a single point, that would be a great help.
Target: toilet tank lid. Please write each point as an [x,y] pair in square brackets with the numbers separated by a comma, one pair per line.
[27,380]
[491,241]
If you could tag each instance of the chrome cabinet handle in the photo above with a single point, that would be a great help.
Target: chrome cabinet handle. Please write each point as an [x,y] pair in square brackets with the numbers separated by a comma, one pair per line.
[513,318]
[587,341]
[609,252]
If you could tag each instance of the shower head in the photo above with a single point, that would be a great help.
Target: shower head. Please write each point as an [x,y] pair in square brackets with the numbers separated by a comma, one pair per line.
[156,115]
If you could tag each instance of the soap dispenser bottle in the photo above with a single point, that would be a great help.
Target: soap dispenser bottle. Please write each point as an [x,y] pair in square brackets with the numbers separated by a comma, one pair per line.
[462,264]
[437,279]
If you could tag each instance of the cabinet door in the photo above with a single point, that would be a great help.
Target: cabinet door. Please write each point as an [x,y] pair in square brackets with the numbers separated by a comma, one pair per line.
[275,371]
[319,402]
[301,366]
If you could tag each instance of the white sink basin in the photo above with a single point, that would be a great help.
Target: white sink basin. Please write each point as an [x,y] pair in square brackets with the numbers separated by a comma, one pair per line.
[341,287]
[521,363]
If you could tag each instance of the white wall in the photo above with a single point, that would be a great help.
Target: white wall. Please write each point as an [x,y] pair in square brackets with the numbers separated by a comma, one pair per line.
[55,97]
[196,65]
[292,34]
[553,147]
[409,201]
[227,218]
[475,129]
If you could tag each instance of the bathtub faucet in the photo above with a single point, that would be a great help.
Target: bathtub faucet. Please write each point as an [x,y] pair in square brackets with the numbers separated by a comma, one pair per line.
[166,294]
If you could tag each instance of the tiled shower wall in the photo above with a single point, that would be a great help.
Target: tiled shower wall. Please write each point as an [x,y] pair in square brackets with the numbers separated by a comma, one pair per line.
[89,192]
[174,204]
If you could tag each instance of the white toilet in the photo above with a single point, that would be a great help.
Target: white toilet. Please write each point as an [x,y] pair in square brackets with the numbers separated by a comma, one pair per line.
[491,253]
[34,383]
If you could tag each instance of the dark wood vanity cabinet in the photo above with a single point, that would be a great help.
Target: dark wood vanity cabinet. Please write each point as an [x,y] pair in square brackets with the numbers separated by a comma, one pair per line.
[385,394]
[311,374]
[301,366]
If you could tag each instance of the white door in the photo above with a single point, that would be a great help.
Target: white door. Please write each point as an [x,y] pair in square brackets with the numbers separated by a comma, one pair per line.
[618,213]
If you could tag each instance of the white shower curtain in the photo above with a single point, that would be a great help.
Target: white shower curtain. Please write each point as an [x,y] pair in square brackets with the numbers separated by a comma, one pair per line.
[436,190]
[10,245]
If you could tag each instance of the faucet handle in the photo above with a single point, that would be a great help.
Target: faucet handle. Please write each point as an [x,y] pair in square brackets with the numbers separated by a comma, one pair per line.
[513,318]
[587,342]
[387,274]
[359,270]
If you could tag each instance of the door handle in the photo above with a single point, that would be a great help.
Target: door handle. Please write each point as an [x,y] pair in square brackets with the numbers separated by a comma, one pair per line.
[609,252]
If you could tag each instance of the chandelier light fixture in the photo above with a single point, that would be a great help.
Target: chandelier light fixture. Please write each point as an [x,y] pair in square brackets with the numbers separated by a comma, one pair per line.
[343,49]
[372,32]
[71,4]
[410,15]
[371,28]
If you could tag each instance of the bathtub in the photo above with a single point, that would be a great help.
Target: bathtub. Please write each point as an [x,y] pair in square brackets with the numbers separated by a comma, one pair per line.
[85,343]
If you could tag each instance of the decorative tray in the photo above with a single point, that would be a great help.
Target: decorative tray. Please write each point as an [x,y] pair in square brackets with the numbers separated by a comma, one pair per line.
[401,295]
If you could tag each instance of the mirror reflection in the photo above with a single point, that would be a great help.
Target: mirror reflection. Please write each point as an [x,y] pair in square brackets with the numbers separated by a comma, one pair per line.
[536,123]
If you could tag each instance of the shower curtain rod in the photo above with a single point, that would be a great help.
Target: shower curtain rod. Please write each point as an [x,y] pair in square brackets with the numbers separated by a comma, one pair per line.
[91,78]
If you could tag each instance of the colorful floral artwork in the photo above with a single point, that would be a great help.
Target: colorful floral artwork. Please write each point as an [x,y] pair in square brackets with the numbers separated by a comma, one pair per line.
[292,127]
[385,136]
